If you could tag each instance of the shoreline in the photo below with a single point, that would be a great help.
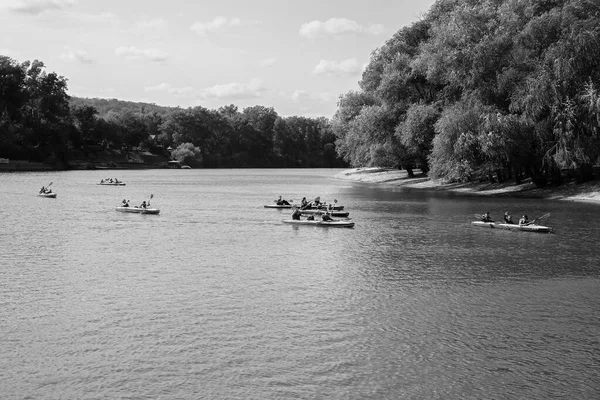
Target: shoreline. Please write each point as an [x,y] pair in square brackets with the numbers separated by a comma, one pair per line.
[588,192]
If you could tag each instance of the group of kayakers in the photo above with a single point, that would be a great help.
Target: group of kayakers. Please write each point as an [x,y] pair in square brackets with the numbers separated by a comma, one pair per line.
[110,180]
[524,220]
[304,204]
[298,212]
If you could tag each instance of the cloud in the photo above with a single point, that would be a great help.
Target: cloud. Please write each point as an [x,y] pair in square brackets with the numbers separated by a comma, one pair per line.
[267,62]
[76,55]
[334,68]
[337,26]
[35,7]
[151,24]
[234,90]
[217,24]
[133,53]
[187,91]
[102,18]
[303,95]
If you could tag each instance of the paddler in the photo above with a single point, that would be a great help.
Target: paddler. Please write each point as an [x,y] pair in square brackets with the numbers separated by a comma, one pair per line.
[282,202]
[304,203]
[508,218]
[486,217]
[326,217]
[524,220]
[296,214]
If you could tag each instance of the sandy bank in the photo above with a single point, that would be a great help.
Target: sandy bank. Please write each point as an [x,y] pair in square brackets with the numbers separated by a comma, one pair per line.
[588,192]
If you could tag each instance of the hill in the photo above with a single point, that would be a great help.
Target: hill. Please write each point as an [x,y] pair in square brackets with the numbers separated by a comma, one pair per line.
[108,107]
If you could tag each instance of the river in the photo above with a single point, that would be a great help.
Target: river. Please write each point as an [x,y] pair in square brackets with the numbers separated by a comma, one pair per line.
[215,298]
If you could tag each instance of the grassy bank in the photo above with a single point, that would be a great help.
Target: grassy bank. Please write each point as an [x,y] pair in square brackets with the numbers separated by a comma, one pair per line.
[588,192]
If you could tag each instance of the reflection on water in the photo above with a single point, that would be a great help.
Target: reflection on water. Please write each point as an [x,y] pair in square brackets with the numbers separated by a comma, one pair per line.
[215,298]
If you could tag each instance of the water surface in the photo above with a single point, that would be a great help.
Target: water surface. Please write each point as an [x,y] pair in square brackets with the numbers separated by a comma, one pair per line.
[215,298]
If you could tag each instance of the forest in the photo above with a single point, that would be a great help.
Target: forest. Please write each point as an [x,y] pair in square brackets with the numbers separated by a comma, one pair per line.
[478,90]
[40,122]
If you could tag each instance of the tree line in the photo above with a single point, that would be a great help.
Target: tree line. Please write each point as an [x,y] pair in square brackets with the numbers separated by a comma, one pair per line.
[494,89]
[39,121]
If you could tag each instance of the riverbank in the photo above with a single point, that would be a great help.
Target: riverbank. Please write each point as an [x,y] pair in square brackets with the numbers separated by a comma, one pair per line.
[104,159]
[585,192]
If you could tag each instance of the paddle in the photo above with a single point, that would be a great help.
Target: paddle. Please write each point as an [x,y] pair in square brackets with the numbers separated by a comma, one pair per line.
[151,197]
[537,219]
[43,190]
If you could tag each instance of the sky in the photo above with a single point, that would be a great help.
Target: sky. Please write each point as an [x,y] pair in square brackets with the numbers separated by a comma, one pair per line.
[296,56]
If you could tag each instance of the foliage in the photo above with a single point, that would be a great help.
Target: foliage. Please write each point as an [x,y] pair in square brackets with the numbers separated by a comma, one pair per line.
[39,121]
[187,153]
[481,89]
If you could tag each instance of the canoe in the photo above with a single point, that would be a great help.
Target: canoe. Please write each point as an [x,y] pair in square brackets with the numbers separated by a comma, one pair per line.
[138,210]
[48,195]
[112,184]
[334,223]
[278,206]
[514,227]
[334,213]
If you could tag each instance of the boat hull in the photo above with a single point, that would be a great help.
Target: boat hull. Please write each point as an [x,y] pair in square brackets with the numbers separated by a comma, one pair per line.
[337,224]
[325,207]
[514,227]
[278,206]
[111,184]
[138,210]
[48,195]
[341,214]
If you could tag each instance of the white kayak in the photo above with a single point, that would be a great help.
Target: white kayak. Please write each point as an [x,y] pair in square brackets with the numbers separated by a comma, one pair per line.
[138,210]
[514,227]
[111,184]
[334,213]
[324,206]
[278,206]
[316,222]
[48,195]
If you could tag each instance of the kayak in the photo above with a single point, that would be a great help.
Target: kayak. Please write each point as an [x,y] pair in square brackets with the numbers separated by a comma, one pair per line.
[278,206]
[334,213]
[334,223]
[48,195]
[138,210]
[111,184]
[325,207]
[514,227]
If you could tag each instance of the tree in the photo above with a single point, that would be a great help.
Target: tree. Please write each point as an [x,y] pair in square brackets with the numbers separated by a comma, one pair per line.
[188,153]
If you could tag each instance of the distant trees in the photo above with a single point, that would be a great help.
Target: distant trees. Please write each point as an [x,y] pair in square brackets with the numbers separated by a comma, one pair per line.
[39,121]
[188,153]
[493,89]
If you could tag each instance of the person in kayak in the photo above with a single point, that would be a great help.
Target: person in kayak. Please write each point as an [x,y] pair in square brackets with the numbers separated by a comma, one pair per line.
[304,203]
[326,217]
[143,204]
[524,220]
[125,203]
[508,218]
[282,202]
[296,214]
[486,217]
